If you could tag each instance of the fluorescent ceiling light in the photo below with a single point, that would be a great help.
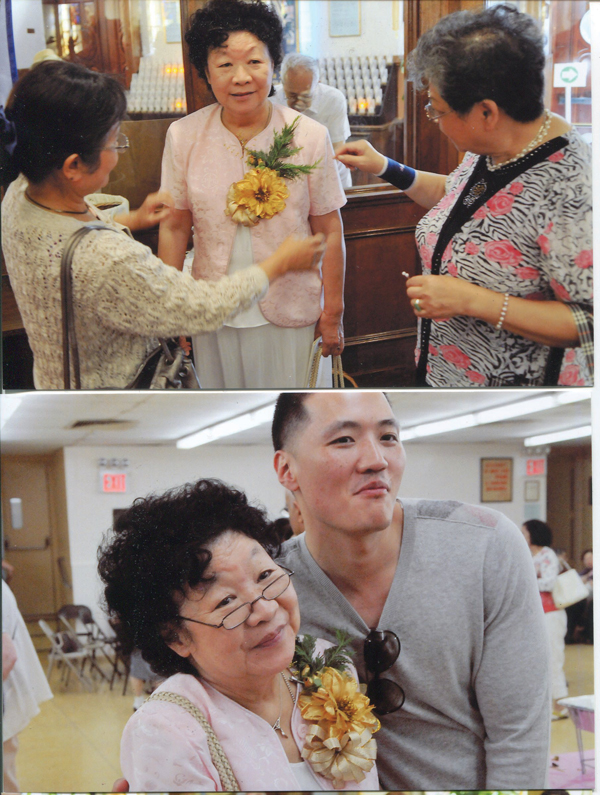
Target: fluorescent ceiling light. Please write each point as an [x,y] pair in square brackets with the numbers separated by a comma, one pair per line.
[251,419]
[500,413]
[8,405]
[558,436]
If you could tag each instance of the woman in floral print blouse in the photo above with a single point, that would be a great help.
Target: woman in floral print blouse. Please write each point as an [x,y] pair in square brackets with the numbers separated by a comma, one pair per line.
[505,297]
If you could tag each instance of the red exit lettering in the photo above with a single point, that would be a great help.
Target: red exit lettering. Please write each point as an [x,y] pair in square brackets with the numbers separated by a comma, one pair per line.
[536,466]
[114,482]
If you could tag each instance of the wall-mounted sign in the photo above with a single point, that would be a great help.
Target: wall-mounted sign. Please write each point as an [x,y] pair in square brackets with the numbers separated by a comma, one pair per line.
[536,466]
[532,491]
[496,479]
[570,75]
[344,17]
[114,482]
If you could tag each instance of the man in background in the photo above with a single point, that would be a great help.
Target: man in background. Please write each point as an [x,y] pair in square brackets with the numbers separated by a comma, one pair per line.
[302,91]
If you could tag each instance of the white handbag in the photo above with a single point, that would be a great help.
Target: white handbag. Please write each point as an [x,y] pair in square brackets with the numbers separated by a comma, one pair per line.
[569,589]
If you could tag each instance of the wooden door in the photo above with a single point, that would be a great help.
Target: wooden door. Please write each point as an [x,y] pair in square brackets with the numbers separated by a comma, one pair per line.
[30,548]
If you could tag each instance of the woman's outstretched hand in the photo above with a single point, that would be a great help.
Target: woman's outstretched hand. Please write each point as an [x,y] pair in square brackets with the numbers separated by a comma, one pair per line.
[155,208]
[295,254]
[362,156]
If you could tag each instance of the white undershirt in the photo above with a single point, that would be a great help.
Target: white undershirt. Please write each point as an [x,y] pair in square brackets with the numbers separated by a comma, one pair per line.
[304,775]
[241,258]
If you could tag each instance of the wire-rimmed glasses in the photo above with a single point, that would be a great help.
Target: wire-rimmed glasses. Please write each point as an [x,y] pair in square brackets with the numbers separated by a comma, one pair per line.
[242,613]
[381,650]
[432,114]
[121,143]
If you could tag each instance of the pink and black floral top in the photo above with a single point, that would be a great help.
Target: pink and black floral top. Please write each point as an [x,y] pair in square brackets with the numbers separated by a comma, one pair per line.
[533,239]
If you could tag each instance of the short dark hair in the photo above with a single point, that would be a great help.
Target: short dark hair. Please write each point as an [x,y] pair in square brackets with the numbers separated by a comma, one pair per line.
[211,25]
[290,413]
[59,109]
[540,534]
[496,54]
[158,550]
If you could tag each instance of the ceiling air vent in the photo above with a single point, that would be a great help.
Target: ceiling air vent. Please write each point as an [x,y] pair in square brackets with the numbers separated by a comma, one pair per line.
[106,424]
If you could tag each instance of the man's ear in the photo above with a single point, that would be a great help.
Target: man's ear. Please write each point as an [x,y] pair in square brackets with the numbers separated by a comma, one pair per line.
[285,466]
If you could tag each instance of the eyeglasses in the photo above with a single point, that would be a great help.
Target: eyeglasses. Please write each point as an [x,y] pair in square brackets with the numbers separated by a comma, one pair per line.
[432,114]
[121,143]
[381,650]
[242,613]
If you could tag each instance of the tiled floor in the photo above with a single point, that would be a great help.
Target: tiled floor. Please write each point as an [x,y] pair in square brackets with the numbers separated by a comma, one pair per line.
[73,744]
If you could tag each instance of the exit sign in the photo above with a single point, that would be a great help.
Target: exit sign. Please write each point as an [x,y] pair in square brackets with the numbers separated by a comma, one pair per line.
[536,466]
[113,482]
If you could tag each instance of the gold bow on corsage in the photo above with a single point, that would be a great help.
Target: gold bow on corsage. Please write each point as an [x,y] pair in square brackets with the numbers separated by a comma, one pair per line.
[339,745]
[262,191]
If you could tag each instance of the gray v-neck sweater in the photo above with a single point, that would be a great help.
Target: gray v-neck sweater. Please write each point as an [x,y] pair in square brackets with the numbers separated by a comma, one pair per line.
[474,661]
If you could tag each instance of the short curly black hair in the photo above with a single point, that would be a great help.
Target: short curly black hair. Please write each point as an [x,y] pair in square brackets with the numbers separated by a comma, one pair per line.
[158,549]
[497,54]
[211,25]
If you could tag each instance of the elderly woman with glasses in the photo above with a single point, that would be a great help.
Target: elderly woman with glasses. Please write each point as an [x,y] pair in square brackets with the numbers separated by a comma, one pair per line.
[190,579]
[242,191]
[505,297]
[59,141]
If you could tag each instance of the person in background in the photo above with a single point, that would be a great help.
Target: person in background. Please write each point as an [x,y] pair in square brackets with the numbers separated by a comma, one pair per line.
[302,91]
[24,685]
[547,567]
[505,296]
[580,616]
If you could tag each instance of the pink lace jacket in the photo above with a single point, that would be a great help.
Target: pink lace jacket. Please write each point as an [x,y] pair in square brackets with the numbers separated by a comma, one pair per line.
[164,748]
[202,158]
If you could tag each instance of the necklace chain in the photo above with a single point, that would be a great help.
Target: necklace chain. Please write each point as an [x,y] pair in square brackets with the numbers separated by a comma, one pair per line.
[52,210]
[531,145]
[244,141]
[277,725]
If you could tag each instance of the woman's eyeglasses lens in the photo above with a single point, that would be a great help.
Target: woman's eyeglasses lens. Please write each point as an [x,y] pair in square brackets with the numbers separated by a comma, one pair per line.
[272,591]
[121,143]
[432,113]
[381,650]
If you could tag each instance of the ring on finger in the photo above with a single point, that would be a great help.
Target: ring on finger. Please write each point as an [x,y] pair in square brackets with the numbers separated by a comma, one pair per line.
[417,305]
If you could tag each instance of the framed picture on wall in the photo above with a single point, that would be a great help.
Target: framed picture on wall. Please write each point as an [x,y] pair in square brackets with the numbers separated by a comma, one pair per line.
[532,491]
[344,17]
[496,479]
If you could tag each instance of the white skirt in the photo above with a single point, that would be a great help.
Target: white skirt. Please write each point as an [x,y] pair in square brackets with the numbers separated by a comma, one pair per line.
[264,357]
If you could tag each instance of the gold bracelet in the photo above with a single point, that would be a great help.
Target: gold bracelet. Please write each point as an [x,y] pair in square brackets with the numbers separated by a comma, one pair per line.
[500,322]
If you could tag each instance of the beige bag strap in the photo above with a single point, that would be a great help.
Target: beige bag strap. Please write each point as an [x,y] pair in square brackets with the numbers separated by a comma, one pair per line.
[217,754]
[336,367]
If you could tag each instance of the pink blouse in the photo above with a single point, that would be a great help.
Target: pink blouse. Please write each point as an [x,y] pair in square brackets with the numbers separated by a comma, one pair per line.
[164,748]
[202,159]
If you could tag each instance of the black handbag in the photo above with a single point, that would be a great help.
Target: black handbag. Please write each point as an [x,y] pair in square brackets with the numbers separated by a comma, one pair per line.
[168,366]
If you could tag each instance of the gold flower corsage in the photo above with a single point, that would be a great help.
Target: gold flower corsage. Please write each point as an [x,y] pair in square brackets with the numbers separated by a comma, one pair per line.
[262,192]
[339,743]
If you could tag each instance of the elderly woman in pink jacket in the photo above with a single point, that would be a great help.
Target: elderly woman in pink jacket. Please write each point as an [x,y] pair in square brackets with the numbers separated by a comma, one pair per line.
[191,581]
[243,191]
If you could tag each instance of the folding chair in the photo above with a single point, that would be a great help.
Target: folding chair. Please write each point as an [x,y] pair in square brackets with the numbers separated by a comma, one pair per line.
[79,621]
[65,648]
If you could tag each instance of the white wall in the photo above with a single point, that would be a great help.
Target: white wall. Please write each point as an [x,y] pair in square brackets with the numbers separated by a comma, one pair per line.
[377,34]
[27,14]
[435,471]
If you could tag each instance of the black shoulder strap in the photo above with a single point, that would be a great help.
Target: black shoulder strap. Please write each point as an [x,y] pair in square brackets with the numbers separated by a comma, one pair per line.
[480,187]
[68,314]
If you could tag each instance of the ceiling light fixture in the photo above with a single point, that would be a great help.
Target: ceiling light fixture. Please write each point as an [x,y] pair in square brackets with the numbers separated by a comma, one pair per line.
[559,436]
[251,419]
[498,414]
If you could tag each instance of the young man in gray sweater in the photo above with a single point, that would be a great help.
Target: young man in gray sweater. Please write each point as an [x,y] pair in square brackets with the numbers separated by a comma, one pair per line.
[440,599]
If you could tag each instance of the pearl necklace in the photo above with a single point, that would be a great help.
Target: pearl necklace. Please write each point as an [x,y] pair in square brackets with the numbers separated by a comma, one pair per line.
[531,145]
